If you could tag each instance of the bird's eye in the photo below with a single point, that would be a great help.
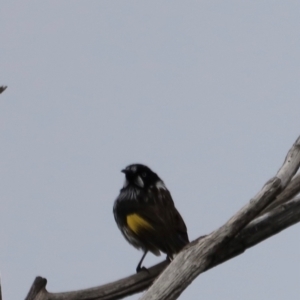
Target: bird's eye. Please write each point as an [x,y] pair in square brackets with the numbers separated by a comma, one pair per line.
[144,174]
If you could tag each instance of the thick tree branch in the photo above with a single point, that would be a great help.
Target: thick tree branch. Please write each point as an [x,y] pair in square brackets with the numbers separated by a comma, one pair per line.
[192,261]
[287,194]
[257,231]
[203,253]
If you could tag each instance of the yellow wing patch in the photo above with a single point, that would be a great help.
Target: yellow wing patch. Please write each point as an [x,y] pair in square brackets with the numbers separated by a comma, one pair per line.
[137,223]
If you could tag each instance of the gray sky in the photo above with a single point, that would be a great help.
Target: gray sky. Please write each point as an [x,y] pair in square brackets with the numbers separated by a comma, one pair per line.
[206,94]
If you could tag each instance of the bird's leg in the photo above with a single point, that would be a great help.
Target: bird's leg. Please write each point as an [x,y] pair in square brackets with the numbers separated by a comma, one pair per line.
[169,257]
[139,268]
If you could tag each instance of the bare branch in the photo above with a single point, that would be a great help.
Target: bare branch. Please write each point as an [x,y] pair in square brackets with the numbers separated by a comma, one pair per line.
[257,231]
[0,290]
[262,228]
[2,88]
[287,194]
[37,289]
[203,253]
[192,261]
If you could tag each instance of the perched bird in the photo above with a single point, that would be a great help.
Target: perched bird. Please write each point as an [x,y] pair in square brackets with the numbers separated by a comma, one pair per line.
[145,213]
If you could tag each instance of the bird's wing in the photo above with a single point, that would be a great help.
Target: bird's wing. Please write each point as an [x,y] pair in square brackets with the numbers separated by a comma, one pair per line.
[160,224]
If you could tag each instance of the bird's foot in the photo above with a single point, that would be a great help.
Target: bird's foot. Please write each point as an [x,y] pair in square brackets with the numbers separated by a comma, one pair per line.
[169,258]
[140,269]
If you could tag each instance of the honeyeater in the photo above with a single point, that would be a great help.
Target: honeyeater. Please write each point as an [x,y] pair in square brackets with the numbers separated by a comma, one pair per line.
[146,215]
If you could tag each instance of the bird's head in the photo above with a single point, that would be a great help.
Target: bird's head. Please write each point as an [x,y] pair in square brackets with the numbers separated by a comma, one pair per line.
[140,176]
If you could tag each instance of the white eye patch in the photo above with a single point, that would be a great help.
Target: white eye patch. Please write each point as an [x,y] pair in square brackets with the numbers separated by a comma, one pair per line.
[139,182]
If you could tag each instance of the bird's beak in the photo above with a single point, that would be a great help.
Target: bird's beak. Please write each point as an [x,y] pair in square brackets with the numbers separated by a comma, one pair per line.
[127,172]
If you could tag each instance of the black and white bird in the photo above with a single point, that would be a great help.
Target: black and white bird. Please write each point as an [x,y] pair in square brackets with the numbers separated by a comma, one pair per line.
[146,215]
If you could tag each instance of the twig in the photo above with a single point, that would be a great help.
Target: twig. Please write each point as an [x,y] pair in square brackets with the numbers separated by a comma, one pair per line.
[0,290]
[2,88]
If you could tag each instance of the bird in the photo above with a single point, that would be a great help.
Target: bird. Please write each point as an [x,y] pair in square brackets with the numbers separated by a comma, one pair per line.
[146,215]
